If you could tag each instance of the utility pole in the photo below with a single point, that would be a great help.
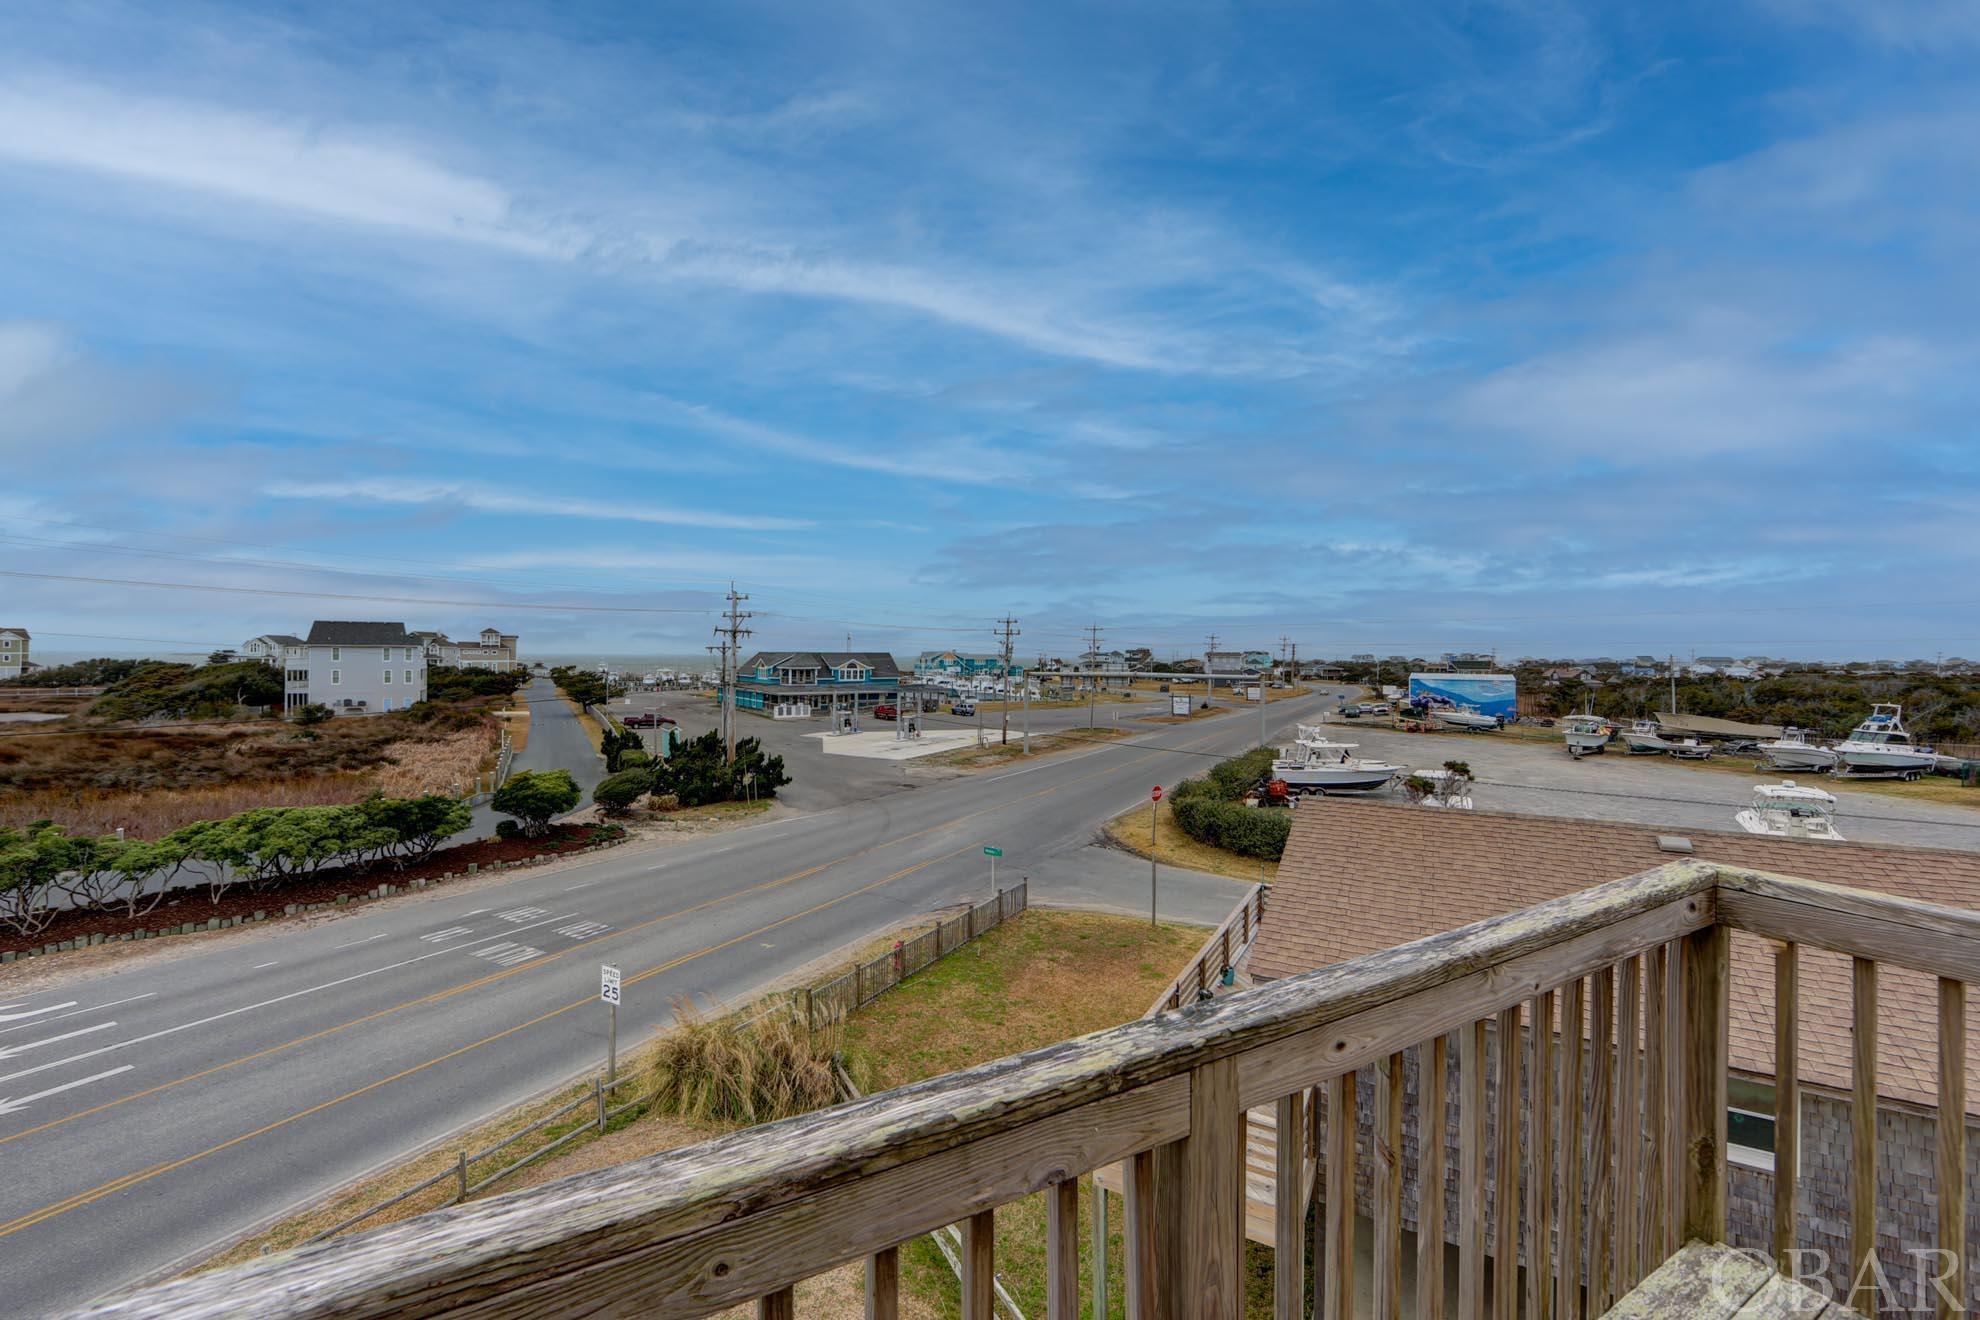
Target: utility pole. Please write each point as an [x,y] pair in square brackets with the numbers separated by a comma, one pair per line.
[1010,631]
[1209,683]
[732,633]
[1027,711]
[1092,668]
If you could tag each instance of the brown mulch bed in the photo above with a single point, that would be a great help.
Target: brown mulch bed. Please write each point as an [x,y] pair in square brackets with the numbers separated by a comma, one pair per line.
[192,905]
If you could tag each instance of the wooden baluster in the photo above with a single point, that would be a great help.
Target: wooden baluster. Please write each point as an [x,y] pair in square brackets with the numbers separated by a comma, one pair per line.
[1701,1153]
[1170,1278]
[1540,1151]
[1505,1174]
[1674,1064]
[1386,1155]
[1863,1135]
[1289,1209]
[1574,1055]
[1471,1172]
[883,1285]
[1629,1128]
[1655,1152]
[1337,1268]
[1062,1250]
[1214,1193]
[1601,1116]
[979,1266]
[1952,1146]
[1432,1074]
[779,1305]
[1138,1236]
[1787,1101]
[1096,1258]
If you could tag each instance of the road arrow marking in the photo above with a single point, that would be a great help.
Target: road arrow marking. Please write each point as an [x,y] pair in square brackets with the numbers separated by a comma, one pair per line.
[12,1050]
[9,1105]
[16,1017]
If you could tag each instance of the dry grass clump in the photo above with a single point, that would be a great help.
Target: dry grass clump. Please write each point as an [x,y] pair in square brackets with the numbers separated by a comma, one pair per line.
[154,814]
[446,764]
[732,1069]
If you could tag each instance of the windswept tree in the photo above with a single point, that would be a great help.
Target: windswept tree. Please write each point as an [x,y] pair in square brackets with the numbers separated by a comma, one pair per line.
[30,861]
[534,796]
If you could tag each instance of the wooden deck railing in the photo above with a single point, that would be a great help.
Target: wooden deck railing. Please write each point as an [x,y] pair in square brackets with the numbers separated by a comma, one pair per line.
[1220,951]
[1583,1157]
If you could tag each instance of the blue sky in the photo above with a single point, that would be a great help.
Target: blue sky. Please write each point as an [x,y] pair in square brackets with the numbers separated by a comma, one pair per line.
[1546,328]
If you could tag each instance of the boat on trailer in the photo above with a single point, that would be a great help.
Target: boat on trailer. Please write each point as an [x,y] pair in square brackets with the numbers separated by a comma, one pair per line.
[1464,719]
[1586,733]
[1793,750]
[1646,738]
[1316,764]
[1882,746]
[1788,810]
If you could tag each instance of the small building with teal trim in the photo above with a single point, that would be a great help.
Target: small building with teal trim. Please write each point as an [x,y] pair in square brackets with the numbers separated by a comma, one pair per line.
[850,680]
[963,664]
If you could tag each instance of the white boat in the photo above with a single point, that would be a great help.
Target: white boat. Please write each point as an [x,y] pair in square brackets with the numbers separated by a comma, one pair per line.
[1318,765]
[1793,751]
[1788,811]
[1586,733]
[1448,789]
[1646,738]
[1688,749]
[1465,719]
[1881,746]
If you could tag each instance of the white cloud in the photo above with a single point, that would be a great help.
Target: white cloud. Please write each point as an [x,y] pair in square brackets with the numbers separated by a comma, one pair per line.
[317,170]
[482,499]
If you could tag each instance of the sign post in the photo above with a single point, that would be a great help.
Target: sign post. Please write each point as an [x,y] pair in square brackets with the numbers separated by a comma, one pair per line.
[1154,827]
[993,854]
[608,993]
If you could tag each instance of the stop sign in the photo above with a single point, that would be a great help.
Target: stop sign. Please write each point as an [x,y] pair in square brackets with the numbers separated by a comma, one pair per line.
[1155,793]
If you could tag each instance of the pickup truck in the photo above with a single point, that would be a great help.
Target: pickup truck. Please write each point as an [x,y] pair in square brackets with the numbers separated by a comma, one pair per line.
[886,713]
[644,719]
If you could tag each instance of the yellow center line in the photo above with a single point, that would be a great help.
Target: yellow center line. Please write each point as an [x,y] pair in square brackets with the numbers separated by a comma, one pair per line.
[80,1199]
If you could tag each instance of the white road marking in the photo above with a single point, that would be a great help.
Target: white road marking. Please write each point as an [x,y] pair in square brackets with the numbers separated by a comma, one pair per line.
[521,914]
[93,1008]
[508,953]
[258,966]
[366,940]
[586,885]
[583,930]
[451,932]
[249,1008]
[15,1017]
[12,1050]
[10,1105]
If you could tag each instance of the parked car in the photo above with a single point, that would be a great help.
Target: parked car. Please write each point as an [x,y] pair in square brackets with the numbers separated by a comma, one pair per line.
[1353,710]
[886,713]
[962,708]
[640,719]
[1378,708]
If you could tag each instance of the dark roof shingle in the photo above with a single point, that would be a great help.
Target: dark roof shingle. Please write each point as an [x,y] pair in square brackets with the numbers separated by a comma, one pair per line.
[342,632]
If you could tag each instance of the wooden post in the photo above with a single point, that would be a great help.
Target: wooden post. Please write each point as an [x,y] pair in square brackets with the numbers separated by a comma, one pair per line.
[1289,1210]
[1505,1173]
[1170,1278]
[1702,1115]
[1655,1153]
[979,1266]
[1952,1144]
[1062,1250]
[1214,1193]
[1629,1128]
[1471,1172]
[1337,1267]
[1601,1151]
[1138,1236]
[883,1285]
[1863,1137]
[1574,1053]
[779,1305]
[1386,1155]
[1432,1071]
[1787,1101]
[1540,1155]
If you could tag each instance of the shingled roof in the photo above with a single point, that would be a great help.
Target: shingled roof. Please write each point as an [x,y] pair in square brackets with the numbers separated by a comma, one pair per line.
[1361,876]
[340,632]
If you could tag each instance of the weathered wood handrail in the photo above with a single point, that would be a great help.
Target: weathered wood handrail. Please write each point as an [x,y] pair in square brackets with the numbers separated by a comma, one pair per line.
[1584,1042]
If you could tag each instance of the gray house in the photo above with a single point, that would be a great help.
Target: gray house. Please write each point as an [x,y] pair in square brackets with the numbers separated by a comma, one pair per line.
[352,667]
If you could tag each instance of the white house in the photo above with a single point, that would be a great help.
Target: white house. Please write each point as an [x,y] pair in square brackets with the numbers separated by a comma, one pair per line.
[13,652]
[492,649]
[353,668]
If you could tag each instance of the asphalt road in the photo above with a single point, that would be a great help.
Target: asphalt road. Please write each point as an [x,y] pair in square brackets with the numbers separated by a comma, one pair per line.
[556,742]
[148,1114]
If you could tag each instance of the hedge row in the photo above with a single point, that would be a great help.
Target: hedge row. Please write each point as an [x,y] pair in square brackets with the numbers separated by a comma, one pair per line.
[1210,809]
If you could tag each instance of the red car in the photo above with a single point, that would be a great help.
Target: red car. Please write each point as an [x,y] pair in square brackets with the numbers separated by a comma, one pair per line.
[886,713]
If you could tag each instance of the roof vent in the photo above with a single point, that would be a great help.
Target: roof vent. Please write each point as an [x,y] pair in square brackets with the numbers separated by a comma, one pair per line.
[1673,843]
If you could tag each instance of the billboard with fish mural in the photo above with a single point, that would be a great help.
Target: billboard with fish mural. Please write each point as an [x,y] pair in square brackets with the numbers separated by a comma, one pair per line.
[1488,694]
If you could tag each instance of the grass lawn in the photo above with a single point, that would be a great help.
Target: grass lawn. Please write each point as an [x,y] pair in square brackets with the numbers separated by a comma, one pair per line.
[1043,977]
[1129,830]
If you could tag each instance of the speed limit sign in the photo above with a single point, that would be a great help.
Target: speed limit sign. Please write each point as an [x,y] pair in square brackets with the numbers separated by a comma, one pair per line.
[608,984]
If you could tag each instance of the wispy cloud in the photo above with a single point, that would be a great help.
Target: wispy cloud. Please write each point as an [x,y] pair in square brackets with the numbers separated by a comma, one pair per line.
[468,497]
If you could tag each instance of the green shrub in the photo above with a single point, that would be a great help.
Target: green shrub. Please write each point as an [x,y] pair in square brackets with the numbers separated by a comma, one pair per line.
[617,793]
[534,796]
[1209,809]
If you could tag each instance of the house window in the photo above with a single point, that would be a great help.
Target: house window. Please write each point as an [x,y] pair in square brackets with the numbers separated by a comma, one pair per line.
[336,677]
[1750,1111]
[336,653]
[409,676]
[388,677]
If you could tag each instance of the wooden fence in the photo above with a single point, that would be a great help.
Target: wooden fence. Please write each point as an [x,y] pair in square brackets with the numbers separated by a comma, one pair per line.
[838,998]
